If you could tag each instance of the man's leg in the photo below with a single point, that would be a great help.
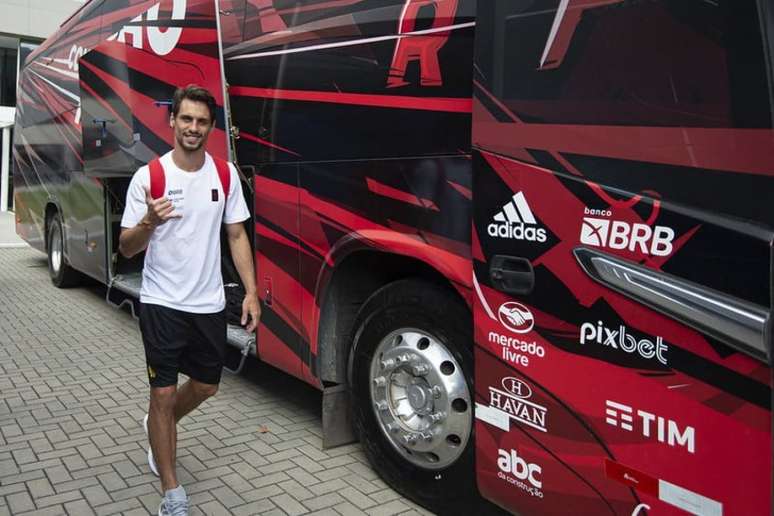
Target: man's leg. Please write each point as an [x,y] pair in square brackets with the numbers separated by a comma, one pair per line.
[190,395]
[163,433]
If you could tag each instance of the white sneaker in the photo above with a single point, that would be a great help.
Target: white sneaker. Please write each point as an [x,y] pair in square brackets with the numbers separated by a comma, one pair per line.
[174,503]
[151,461]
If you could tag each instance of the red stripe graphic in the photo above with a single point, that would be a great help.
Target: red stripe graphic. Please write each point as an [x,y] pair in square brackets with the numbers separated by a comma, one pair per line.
[393,193]
[448,105]
[248,136]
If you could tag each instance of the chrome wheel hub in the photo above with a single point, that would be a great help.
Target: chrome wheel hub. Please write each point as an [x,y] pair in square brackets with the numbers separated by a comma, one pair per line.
[56,248]
[421,399]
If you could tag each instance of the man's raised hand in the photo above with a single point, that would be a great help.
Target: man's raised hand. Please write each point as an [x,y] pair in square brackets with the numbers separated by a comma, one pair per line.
[159,210]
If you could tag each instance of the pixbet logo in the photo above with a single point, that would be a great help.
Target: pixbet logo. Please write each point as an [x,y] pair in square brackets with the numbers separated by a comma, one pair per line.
[516,471]
[516,221]
[622,339]
[617,234]
[516,317]
[651,425]
[161,42]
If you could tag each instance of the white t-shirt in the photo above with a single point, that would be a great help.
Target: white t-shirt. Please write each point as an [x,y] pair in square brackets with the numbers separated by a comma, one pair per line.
[182,262]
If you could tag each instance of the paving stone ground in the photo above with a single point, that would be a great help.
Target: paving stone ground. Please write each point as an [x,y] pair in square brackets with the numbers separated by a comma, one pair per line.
[73,392]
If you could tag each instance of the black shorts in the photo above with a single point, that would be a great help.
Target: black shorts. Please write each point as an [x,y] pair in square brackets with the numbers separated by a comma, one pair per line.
[176,341]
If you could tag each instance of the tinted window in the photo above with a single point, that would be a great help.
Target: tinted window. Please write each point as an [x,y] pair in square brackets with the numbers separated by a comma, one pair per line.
[690,63]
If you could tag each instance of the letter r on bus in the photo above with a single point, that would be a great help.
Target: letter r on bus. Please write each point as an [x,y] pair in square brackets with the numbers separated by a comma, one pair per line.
[423,48]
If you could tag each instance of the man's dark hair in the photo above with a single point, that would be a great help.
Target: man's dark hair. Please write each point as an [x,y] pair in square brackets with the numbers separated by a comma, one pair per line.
[195,93]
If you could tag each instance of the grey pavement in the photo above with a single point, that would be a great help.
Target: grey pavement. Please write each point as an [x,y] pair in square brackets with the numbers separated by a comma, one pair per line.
[8,236]
[73,392]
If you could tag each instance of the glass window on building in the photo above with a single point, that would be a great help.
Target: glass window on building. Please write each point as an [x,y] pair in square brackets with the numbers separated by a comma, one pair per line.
[8,65]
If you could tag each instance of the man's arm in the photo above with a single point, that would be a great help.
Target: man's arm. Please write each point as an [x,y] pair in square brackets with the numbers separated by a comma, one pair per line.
[134,240]
[243,260]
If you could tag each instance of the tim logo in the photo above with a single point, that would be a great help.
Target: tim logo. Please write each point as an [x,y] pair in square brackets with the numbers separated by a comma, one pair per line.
[424,45]
[516,317]
[650,426]
[162,40]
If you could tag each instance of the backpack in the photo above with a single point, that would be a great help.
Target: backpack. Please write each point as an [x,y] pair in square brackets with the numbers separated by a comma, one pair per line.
[158,179]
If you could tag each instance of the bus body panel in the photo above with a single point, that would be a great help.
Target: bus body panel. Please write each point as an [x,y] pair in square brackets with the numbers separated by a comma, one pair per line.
[624,152]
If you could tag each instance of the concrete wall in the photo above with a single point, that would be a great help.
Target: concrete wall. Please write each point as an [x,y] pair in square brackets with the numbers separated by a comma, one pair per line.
[35,18]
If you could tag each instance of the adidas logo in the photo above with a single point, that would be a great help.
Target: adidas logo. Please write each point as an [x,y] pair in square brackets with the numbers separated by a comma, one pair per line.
[516,221]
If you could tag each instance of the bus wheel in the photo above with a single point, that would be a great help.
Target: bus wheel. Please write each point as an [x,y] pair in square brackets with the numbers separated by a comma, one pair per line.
[62,275]
[411,378]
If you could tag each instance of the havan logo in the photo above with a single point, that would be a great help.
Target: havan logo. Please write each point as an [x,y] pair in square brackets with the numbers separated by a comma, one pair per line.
[515,401]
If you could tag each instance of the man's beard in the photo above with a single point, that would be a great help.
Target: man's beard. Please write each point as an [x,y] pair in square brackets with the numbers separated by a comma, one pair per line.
[188,147]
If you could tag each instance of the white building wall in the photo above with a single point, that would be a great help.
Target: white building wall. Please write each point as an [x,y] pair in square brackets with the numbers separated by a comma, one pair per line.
[35,18]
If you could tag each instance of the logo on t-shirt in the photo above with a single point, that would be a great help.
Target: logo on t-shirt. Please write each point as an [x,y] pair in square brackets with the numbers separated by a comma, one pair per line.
[214,195]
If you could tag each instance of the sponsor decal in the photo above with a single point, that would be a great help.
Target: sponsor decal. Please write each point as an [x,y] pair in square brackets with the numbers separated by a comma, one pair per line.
[667,492]
[512,402]
[516,317]
[650,425]
[516,351]
[525,475]
[516,222]
[619,234]
[641,507]
[622,339]
[516,387]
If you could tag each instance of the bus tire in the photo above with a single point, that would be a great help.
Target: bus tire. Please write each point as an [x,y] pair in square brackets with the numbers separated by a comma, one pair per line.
[413,340]
[62,275]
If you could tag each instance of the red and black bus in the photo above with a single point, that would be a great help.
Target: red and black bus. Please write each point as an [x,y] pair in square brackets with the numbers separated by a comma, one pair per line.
[524,247]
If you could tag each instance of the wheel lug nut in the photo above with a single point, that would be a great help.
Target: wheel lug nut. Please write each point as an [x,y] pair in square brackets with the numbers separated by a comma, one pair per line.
[392,428]
[388,364]
[381,406]
[427,437]
[410,439]
[420,370]
[437,391]
[380,381]
[438,416]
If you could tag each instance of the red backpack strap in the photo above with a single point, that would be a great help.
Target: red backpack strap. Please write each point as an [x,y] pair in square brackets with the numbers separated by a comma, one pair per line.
[224,173]
[157,179]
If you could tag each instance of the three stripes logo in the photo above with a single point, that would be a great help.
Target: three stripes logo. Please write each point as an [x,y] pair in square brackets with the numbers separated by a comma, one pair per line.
[516,221]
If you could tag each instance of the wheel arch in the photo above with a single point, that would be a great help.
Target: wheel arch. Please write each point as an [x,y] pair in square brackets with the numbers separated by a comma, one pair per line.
[355,272]
[52,208]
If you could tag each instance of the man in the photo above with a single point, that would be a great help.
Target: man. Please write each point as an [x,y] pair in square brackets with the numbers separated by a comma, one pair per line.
[182,317]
